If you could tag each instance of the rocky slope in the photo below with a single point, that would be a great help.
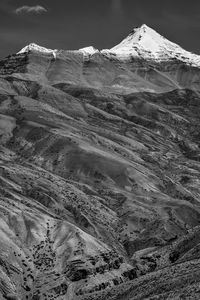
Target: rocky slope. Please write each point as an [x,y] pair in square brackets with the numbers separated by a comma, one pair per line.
[100,172]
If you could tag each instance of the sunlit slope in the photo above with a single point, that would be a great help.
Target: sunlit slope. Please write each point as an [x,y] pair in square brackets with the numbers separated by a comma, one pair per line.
[99,177]
[102,72]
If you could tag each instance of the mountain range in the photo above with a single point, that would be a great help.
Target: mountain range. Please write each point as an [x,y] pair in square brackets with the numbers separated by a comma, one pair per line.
[100,172]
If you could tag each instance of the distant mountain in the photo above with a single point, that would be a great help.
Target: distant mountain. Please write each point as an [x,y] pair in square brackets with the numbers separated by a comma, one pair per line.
[100,172]
[144,61]
[144,43]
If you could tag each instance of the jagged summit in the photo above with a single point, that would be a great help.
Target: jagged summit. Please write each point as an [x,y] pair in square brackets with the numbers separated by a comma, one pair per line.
[35,47]
[140,35]
[143,42]
[144,38]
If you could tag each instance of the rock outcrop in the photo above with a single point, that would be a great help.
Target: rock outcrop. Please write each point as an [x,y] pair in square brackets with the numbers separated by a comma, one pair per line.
[99,176]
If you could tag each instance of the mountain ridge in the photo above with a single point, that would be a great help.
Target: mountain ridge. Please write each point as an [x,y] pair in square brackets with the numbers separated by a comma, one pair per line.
[99,176]
[143,42]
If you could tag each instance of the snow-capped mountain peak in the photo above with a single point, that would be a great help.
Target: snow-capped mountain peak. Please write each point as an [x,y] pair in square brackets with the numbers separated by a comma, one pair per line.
[37,48]
[143,42]
[146,43]
[146,39]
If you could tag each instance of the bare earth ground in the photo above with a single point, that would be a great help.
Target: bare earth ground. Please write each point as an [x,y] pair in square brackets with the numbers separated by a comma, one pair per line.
[99,178]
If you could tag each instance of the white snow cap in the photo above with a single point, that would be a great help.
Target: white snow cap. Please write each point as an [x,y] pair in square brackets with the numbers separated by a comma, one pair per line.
[145,42]
[143,37]
[37,48]
[89,50]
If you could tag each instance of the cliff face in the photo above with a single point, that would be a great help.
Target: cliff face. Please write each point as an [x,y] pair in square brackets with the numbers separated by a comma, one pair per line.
[99,172]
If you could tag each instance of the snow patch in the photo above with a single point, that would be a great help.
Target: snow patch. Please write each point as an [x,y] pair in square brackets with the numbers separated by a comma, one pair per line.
[34,47]
[89,50]
[144,42]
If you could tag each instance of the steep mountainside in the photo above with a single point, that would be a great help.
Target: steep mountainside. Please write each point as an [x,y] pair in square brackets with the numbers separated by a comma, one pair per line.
[100,172]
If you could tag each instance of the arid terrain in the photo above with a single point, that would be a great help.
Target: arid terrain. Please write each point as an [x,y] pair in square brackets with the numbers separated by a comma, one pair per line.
[99,176]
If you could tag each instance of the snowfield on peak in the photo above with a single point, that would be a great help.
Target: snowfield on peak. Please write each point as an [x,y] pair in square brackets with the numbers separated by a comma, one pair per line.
[37,48]
[146,43]
[143,42]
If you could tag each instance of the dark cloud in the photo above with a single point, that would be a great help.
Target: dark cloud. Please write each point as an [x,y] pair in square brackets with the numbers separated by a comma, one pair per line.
[37,9]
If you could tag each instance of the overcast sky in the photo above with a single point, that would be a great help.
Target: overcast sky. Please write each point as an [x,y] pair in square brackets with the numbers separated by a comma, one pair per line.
[73,24]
